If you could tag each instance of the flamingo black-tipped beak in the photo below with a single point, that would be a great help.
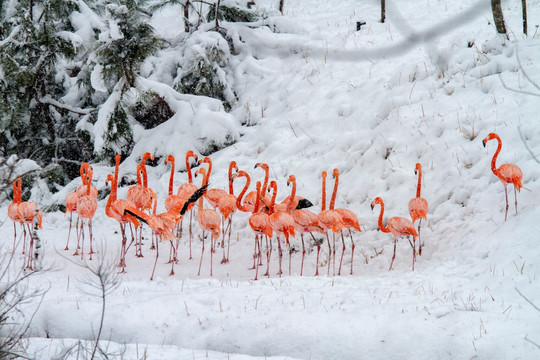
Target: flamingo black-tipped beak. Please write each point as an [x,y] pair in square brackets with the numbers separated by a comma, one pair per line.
[415,172]
[484,143]
[372,207]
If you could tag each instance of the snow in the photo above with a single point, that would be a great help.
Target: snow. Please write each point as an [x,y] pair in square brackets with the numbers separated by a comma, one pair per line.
[319,95]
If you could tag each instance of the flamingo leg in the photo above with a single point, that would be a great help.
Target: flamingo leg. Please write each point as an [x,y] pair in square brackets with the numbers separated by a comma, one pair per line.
[515,197]
[334,252]
[174,257]
[268,255]
[190,232]
[290,258]
[69,231]
[229,238]
[224,259]
[352,250]
[280,253]
[155,261]
[255,255]
[329,253]
[202,252]
[90,232]
[419,239]
[122,263]
[342,253]
[30,250]
[212,251]
[393,256]
[14,236]
[303,254]
[414,253]
[506,194]
[82,239]
[24,240]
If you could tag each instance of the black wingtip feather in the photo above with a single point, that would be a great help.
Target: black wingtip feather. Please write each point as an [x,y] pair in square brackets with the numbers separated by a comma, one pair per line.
[193,198]
[304,204]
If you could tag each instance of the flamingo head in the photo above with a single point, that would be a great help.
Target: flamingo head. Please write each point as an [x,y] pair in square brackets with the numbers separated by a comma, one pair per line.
[417,168]
[291,179]
[191,154]
[324,174]
[206,159]
[169,159]
[335,173]
[490,136]
[109,179]
[377,200]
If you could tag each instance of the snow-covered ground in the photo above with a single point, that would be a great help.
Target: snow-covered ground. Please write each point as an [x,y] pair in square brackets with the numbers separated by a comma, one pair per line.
[426,86]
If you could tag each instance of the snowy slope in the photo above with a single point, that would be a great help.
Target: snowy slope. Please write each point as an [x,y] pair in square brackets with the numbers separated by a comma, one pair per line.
[372,103]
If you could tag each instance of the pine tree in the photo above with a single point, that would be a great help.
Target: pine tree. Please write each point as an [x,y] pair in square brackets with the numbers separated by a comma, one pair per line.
[127,41]
[36,125]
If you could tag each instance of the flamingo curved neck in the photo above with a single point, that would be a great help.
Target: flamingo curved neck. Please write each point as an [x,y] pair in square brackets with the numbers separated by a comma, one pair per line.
[239,204]
[293,194]
[231,189]
[381,225]
[334,193]
[171,179]
[323,203]
[257,198]
[188,168]
[494,160]
[419,186]
[266,176]
[273,185]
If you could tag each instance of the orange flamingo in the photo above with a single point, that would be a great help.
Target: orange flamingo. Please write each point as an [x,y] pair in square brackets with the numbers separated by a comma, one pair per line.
[71,207]
[260,225]
[115,209]
[242,206]
[226,205]
[418,206]
[507,173]
[81,190]
[13,213]
[349,219]
[27,212]
[330,220]
[208,220]
[185,191]
[398,226]
[282,222]
[306,221]
[86,209]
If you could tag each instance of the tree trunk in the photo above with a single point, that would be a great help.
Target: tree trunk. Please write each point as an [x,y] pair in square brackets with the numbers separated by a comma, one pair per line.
[498,17]
[383,10]
[524,11]
[186,16]
[281,6]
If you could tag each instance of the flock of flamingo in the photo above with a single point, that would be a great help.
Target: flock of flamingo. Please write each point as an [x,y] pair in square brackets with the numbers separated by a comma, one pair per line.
[268,218]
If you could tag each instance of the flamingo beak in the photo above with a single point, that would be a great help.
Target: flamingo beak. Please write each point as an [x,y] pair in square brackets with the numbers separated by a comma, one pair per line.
[372,206]
[484,143]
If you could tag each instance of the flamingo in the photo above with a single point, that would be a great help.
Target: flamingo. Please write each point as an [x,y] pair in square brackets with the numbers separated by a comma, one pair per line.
[72,199]
[86,209]
[349,219]
[185,191]
[397,226]
[507,173]
[172,199]
[306,221]
[27,212]
[141,196]
[81,190]
[330,220]
[226,204]
[258,222]
[208,220]
[13,213]
[282,222]
[115,209]
[418,206]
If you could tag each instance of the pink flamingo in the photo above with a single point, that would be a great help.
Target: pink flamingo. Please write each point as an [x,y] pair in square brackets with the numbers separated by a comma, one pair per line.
[507,173]
[349,219]
[398,226]
[260,225]
[226,205]
[418,206]
[115,209]
[86,209]
[282,222]
[208,220]
[185,191]
[27,211]
[329,220]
